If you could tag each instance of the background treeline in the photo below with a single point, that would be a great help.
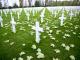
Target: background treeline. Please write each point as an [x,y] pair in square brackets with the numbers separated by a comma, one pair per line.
[47,3]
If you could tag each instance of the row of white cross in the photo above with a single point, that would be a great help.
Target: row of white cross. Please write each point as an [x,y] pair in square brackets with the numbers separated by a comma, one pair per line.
[36,27]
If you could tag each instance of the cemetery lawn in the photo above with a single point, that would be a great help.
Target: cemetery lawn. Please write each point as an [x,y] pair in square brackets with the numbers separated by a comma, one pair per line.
[11,44]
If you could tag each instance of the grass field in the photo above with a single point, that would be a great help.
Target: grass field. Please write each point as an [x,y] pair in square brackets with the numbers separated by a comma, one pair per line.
[12,44]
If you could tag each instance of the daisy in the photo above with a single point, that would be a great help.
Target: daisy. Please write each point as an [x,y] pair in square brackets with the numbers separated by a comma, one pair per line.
[33,46]
[72,45]
[22,53]
[72,57]
[52,45]
[20,58]
[67,48]
[29,57]
[57,50]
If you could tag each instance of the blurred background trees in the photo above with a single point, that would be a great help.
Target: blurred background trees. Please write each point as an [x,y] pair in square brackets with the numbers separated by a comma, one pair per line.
[37,3]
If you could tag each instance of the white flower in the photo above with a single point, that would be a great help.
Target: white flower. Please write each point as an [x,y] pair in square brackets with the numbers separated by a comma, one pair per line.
[44,36]
[40,55]
[74,33]
[5,34]
[20,58]
[52,45]
[58,31]
[22,53]
[57,50]
[63,45]
[47,31]
[14,58]
[72,57]
[55,59]
[67,35]
[53,38]
[6,41]
[33,46]
[29,57]
[55,27]
[39,50]
[23,44]
[50,31]
[72,45]
[47,28]
[49,34]
[67,48]
[11,43]
[64,36]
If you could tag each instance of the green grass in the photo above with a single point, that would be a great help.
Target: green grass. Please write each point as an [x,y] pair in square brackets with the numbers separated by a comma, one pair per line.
[8,52]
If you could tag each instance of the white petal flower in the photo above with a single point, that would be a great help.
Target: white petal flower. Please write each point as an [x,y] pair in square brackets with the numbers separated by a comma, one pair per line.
[57,50]
[11,43]
[58,31]
[33,46]
[55,59]
[14,58]
[52,45]
[72,57]
[53,38]
[50,31]
[29,57]
[44,36]
[39,50]
[23,44]
[67,48]
[74,33]
[49,34]
[40,55]
[67,35]
[20,58]
[22,53]
[63,45]
[64,36]
[6,41]
[47,28]
[72,45]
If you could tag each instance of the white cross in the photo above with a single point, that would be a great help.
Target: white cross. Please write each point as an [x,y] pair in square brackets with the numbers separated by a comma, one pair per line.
[38,30]
[5,13]
[1,12]
[55,14]
[71,15]
[13,23]
[18,15]
[33,12]
[42,16]
[1,21]
[11,14]
[28,15]
[62,19]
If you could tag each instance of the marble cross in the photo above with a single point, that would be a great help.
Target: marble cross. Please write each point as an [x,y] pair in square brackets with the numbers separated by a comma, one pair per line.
[18,15]
[11,14]
[42,16]
[71,15]
[62,19]
[33,12]
[55,14]
[1,21]
[28,15]
[38,29]
[13,23]
[1,12]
